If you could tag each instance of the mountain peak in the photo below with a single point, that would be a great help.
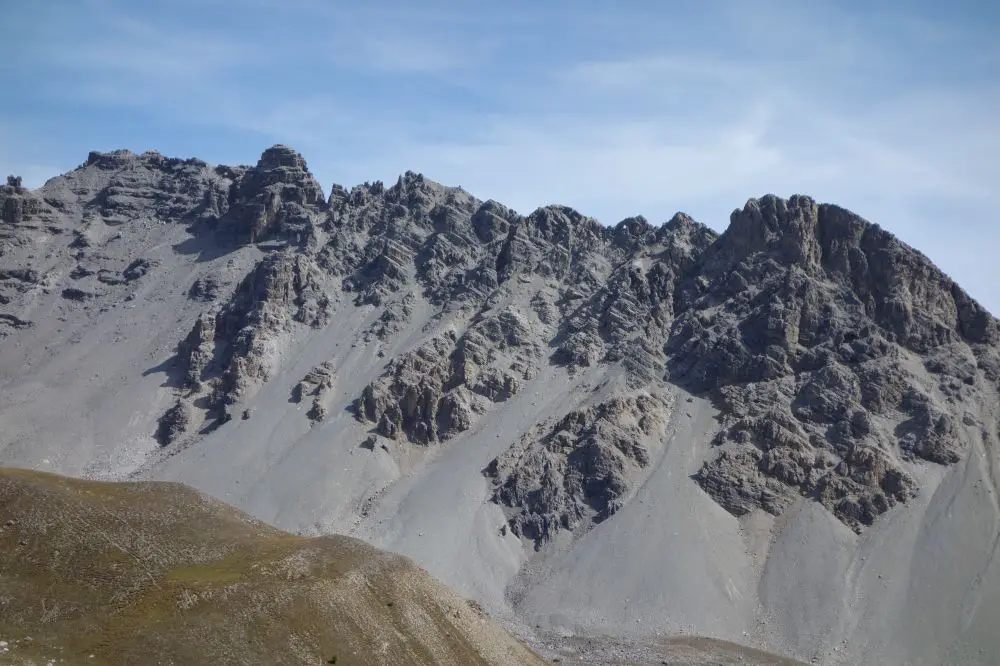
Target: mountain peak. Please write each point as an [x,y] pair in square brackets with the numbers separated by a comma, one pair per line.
[680,220]
[785,228]
[114,159]
[278,156]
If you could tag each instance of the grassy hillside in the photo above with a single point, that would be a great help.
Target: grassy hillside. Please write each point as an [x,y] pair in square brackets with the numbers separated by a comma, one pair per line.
[156,573]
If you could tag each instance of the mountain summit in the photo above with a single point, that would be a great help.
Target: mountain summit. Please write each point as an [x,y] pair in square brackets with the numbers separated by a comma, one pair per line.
[785,434]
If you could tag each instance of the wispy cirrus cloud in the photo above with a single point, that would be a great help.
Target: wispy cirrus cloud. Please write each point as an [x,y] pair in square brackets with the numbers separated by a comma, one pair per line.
[888,109]
[647,72]
[399,53]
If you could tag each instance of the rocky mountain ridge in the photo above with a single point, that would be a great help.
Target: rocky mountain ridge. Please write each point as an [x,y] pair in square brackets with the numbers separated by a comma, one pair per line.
[381,330]
[835,351]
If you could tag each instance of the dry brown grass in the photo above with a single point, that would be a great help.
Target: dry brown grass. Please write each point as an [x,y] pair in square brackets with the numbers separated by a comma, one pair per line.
[155,573]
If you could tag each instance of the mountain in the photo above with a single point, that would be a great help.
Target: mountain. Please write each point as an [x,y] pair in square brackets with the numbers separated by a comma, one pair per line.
[783,435]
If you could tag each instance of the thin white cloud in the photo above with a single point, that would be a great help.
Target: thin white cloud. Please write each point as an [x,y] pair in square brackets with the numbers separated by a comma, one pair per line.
[647,72]
[617,115]
[597,166]
[124,45]
[409,54]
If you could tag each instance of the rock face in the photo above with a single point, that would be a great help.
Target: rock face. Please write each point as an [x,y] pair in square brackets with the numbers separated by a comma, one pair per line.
[578,469]
[833,350]
[152,186]
[628,317]
[435,391]
[174,423]
[316,384]
[232,348]
[553,354]
[17,204]
[838,356]
[275,200]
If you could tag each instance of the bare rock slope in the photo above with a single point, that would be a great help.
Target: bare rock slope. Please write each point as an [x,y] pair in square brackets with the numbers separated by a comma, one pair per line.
[512,400]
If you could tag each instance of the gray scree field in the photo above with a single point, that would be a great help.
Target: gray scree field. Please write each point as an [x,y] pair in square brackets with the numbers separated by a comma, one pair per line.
[785,435]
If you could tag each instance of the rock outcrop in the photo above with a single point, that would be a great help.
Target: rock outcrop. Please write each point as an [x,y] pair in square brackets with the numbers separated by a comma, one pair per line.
[832,349]
[152,187]
[579,469]
[316,384]
[174,423]
[17,205]
[277,199]
[233,347]
[435,392]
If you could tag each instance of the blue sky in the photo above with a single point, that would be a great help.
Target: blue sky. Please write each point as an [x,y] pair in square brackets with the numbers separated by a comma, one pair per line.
[891,109]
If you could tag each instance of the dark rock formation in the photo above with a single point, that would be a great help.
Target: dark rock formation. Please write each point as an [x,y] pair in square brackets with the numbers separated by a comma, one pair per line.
[205,289]
[11,321]
[807,325]
[74,294]
[277,199]
[232,347]
[811,327]
[436,391]
[580,468]
[18,205]
[137,269]
[153,187]
[174,423]
[316,384]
